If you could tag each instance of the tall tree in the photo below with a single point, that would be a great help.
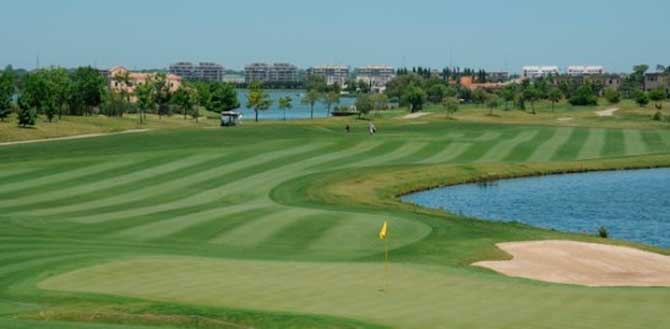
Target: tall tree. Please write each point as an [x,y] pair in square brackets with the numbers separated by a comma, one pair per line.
[554,95]
[186,98]
[330,98]
[144,93]
[162,94]
[492,102]
[27,114]
[258,99]
[88,85]
[450,105]
[285,104]
[508,93]
[7,91]
[223,97]
[379,102]
[415,98]
[363,104]
[36,94]
[311,98]
[531,95]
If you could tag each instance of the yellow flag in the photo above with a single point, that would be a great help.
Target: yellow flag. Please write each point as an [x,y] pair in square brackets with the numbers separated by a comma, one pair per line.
[384,231]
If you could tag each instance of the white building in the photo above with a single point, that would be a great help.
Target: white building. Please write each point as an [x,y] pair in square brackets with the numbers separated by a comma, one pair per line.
[580,70]
[534,72]
[375,75]
[333,74]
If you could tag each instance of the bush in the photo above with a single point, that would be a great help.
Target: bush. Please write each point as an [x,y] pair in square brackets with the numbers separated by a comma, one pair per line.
[585,96]
[658,116]
[642,99]
[612,95]
[602,232]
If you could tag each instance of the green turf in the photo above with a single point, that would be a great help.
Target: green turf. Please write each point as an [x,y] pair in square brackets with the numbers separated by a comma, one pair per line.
[224,223]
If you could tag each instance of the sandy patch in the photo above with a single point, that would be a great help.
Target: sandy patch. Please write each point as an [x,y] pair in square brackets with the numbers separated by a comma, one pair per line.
[607,113]
[580,263]
[74,137]
[415,115]
[565,119]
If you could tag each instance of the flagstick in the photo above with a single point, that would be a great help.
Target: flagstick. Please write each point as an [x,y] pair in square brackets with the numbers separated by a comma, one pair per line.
[386,263]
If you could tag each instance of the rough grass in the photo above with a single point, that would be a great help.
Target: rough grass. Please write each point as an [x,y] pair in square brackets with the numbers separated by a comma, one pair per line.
[288,213]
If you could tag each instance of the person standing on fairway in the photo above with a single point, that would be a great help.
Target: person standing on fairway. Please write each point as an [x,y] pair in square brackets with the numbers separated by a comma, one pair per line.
[372,128]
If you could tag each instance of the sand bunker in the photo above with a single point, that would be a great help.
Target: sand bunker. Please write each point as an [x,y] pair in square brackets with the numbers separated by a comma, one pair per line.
[607,113]
[415,115]
[587,264]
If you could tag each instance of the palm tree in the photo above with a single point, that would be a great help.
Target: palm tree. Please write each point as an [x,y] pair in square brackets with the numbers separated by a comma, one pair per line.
[331,98]
[258,99]
[310,99]
[285,103]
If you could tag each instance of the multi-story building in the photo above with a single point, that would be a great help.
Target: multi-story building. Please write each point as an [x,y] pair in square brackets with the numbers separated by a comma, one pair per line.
[585,70]
[376,75]
[275,73]
[118,74]
[535,72]
[203,71]
[185,70]
[208,71]
[283,72]
[657,80]
[333,74]
[497,76]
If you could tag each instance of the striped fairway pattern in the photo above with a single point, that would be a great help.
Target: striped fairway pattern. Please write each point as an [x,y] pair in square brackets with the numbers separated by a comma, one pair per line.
[203,201]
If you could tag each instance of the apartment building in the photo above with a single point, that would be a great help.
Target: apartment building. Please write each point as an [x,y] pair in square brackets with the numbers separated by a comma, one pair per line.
[375,75]
[206,71]
[497,76]
[657,80]
[535,72]
[333,74]
[273,73]
[580,70]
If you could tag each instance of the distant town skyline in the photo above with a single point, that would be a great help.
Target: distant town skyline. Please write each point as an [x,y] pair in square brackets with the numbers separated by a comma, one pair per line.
[491,35]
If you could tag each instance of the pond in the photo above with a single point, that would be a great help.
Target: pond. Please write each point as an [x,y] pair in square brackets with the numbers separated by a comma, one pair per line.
[633,205]
[298,110]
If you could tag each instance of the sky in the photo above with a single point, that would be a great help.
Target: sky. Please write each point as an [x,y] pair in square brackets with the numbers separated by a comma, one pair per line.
[487,34]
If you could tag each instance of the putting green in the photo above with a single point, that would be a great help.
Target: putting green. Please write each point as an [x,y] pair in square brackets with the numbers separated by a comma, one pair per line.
[415,297]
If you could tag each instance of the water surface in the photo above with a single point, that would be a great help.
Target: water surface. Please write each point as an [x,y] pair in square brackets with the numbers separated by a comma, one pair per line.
[298,110]
[633,205]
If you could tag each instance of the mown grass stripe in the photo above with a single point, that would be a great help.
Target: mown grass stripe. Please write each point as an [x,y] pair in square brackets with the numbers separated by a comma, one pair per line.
[250,234]
[571,148]
[206,231]
[548,148]
[594,145]
[176,224]
[168,191]
[388,158]
[654,141]
[450,151]
[64,176]
[543,143]
[634,143]
[232,188]
[426,150]
[94,182]
[378,149]
[299,235]
[505,147]
[614,143]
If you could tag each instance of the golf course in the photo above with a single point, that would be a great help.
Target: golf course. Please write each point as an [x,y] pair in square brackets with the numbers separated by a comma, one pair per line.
[275,225]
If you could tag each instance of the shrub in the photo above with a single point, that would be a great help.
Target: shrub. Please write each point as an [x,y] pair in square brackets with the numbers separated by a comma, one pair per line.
[602,232]
[612,95]
[585,96]
[658,116]
[642,99]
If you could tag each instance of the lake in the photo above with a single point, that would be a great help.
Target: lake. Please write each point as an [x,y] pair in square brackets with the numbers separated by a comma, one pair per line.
[298,111]
[633,205]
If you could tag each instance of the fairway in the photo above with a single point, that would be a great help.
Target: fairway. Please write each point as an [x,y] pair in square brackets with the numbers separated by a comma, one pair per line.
[238,225]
